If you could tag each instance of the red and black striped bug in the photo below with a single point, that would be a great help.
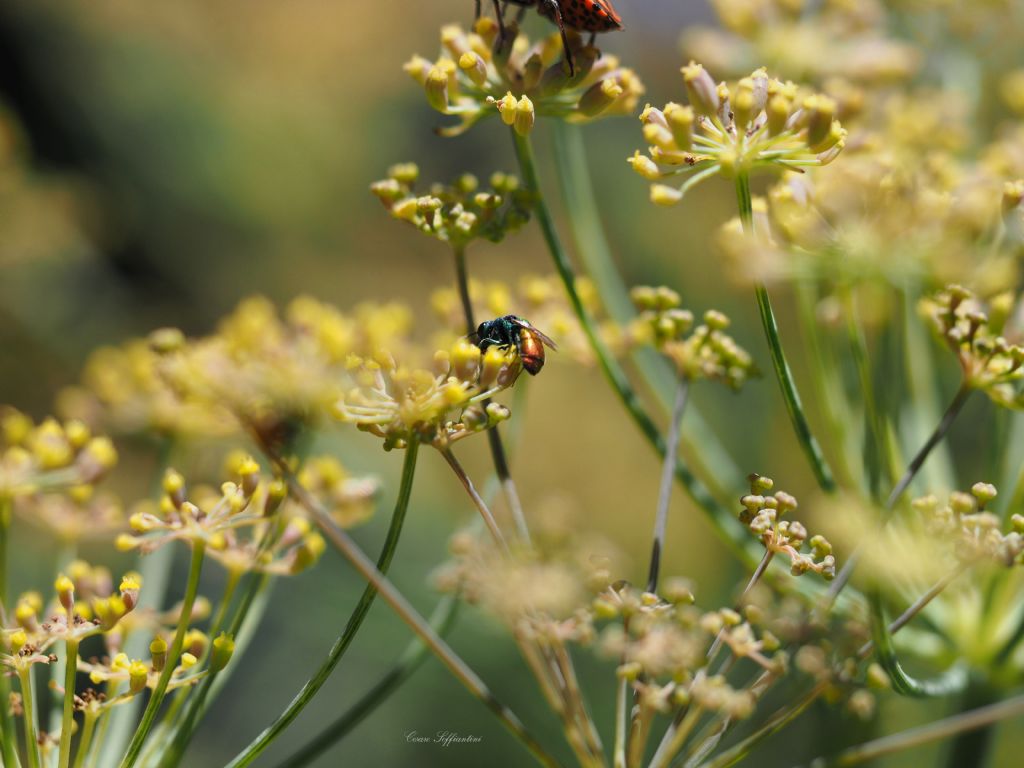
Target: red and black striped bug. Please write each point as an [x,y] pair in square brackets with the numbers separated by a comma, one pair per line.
[582,15]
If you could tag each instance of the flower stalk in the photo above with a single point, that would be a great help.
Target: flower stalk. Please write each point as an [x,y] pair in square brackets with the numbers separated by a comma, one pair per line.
[783,373]
[355,621]
[174,653]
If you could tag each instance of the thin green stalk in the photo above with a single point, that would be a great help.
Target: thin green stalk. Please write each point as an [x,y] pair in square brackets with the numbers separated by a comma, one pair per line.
[621,719]
[412,657]
[478,502]
[352,626]
[498,455]
[8,732]
[29,708]
[808,443]
[174,720]
[665,489]
[725,523]
[173,654]
[875,450]
[85,741]
[351,551]
[914,737]
[773,725]
[155,569]
[955,406]
[68,719]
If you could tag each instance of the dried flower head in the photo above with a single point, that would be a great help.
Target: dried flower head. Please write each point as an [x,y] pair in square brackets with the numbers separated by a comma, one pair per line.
[758,123]
[479,76]
[456,213]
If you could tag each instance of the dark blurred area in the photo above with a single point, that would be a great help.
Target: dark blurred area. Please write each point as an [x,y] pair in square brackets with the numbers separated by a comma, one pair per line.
[161,161]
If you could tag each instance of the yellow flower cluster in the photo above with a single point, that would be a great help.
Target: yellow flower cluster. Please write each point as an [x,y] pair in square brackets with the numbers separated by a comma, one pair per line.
[50,455]
[436,407]
[479,76]
[457,213]
[762,514]
[758,123]
[704,352]
[973,333]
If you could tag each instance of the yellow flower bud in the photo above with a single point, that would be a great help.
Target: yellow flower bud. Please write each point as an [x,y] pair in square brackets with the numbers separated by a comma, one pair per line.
[525,116]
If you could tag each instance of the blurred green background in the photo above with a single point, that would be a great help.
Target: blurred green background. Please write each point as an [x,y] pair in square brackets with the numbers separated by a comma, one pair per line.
[161,161]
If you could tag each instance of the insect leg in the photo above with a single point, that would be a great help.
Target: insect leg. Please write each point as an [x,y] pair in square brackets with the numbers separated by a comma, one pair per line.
[501,20]
[557,12]
[593,39]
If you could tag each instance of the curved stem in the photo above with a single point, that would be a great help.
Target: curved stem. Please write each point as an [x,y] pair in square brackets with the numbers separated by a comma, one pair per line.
[665,489]
[412,657]
[726,525]
[783,374]
[351,552]
[68,718]
[952,680]
[173,654]
[355,620]
[498,455]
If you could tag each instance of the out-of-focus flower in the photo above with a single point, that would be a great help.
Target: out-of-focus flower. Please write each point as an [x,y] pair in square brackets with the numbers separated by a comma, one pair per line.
[973,333]
[457,213]
[50,456]
[758,123]
[701,352]
[479,76]
[808,41]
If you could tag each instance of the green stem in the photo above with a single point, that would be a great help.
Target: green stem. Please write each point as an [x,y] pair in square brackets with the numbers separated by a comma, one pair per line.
[478,502]
[783,374]
[351,552]
[414,655]
[355,620]
[941,729]
[773,725]
[952,680]
[85,741]
[29,708]
[8,732]
[725,523]
[68,719]
[498,455]
[701,448]
[665,489]
[955,406]
[155,569]
[173,654]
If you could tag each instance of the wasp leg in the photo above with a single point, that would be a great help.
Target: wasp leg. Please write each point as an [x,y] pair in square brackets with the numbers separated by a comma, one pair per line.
[501,20]
[477,15]
[593,39]
[557,12]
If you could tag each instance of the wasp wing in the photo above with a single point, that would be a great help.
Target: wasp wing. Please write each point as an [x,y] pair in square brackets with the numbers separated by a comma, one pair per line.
[542,336]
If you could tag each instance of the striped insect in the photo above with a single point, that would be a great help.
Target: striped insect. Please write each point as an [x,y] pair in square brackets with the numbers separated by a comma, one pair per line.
[582,15]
